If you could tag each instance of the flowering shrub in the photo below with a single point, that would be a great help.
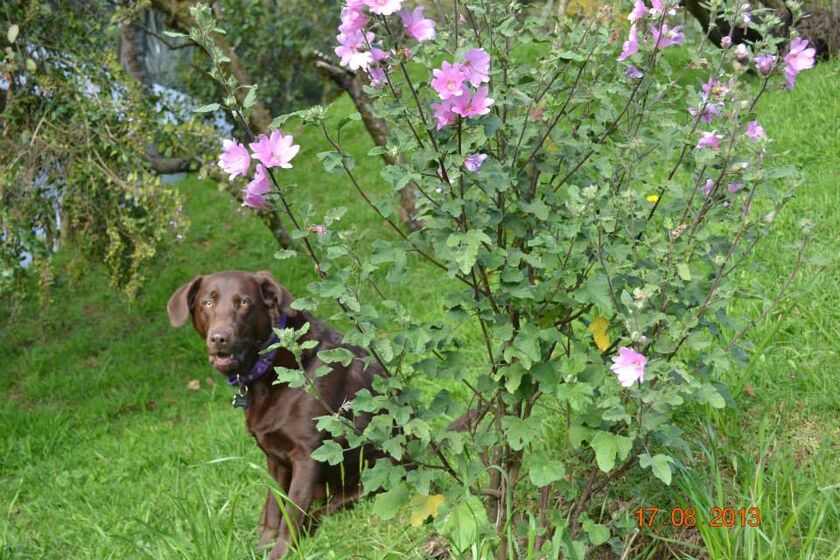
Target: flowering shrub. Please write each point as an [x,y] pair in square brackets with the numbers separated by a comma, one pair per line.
[585,203]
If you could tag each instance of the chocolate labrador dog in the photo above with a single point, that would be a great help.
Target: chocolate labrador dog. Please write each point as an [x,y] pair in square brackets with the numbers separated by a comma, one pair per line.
[234,312]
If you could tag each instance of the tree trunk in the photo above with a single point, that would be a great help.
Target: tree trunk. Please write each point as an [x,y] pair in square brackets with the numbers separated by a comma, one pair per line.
[130,59]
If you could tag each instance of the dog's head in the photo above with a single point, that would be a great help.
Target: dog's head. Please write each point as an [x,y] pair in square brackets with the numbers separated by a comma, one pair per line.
[234,312]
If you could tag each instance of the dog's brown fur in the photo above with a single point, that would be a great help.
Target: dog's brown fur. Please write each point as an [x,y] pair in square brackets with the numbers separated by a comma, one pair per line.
[234,312]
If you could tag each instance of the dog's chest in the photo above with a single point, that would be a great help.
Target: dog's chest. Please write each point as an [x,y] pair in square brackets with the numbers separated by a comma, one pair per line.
[279,423]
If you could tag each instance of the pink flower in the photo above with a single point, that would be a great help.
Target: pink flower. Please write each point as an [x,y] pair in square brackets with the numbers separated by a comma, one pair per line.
[631,45]
[708,187]
[256,189]
[234,158]
[707,112]
[633,73]
[755,131]
[352,20]
[715,88]
[351,50]
[253,200]
[666,37]
[383,7]
[378,55]
[741,52]
[746,17]
[416,26]
[477,65]
[473,105]
[629,365]
[799,58]
[735,187]
[726,42]
[709,140]
[764,63]
[657,7]
[638,12]
[448,81]
[275,150]
[377,76]
[318,229]
[443,113]
[474,162]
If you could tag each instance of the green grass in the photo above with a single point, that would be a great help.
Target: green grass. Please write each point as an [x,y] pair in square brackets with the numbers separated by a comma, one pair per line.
[107,454]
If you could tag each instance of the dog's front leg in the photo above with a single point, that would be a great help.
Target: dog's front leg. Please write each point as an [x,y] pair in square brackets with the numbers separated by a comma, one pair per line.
[304,479]
[271,517]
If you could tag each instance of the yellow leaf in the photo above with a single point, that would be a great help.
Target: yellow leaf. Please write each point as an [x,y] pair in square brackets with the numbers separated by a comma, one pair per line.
[652,197]
[423,507]
[598,328]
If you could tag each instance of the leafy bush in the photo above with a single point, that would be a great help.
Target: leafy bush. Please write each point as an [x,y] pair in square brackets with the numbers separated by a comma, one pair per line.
[75,133]
[588,203]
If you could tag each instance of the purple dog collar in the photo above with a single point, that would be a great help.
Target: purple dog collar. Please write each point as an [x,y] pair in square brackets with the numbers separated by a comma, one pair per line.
[262,364]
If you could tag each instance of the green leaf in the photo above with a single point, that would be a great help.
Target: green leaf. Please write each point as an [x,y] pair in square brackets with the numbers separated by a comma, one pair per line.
[519,432]
[395,446]
[462,523]
[331,160]
[209,108]
[12,34]
[294,377]
[175,35]
[470,243]
[661,466]
[512,376]
[340,355]
[607,446]
[251,98]
[542,470]
[598,534]
[389,503]
[329,452]
[596,290]
[284,254]
[683,271]
[708,394]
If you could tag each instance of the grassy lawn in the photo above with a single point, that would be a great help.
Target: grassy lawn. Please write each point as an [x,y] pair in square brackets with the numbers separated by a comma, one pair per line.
[106,453]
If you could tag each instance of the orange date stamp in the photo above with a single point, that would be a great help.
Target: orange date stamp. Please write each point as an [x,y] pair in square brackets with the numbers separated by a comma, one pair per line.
[728,517]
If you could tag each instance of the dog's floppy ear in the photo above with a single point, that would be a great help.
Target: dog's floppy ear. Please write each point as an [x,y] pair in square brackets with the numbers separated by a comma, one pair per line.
[274,295]
[180,305]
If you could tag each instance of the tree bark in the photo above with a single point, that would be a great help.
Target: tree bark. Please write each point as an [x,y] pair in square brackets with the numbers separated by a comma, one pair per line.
[130,59]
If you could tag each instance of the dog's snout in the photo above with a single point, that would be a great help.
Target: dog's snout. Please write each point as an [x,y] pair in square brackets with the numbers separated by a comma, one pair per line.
[220,339]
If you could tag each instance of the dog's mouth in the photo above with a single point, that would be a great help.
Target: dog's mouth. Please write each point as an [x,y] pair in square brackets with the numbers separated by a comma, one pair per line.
[224,362]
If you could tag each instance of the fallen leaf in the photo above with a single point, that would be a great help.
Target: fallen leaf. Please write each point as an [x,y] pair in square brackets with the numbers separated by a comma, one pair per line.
[210,382]
[598,328]
[748,389]
[194,385]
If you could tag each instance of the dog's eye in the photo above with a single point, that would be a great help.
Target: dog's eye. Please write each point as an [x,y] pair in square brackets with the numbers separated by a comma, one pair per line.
[244,303]
[208,303]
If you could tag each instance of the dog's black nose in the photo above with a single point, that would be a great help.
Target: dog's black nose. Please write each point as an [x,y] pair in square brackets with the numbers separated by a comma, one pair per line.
[219,338]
